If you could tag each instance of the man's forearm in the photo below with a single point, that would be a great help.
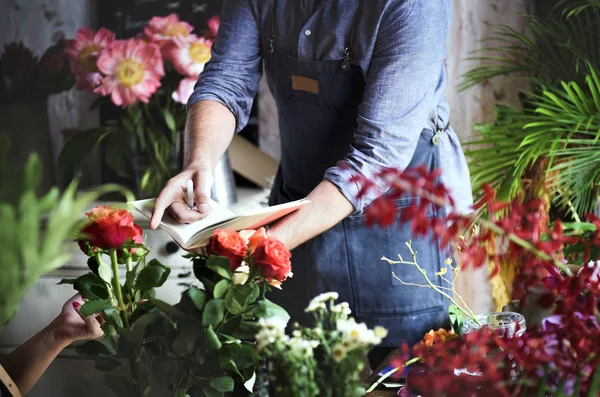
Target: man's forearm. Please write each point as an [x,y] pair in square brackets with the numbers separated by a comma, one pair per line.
[209,129]
[327,208]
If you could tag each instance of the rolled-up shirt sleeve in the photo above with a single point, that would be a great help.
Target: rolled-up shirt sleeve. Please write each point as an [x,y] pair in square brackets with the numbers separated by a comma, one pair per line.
[233,73]
[400,94]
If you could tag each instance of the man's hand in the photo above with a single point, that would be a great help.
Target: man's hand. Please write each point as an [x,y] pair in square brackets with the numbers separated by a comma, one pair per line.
[173,197]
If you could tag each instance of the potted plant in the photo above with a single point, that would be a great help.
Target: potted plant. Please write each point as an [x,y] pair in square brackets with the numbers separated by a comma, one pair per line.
[150,77]
[502,354]
[204,344]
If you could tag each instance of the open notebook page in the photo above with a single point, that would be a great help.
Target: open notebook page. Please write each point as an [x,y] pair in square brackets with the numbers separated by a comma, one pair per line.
[184,234]
[250,220]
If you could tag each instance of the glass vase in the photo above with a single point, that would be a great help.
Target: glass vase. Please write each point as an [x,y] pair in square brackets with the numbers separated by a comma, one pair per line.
[507,324]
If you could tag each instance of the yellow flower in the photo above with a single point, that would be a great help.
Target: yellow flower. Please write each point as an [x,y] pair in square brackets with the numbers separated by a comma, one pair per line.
[442,271]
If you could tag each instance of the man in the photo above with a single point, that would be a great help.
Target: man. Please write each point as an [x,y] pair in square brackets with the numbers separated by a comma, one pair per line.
[359,86]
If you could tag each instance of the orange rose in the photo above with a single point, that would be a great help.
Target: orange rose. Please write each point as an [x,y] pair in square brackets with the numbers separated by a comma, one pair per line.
[110,228]
[229,244]
[273,260]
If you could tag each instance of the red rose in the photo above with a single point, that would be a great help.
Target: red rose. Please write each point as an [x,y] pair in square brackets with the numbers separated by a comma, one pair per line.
[109,228]
[273,260]
[229,244]
[256,239]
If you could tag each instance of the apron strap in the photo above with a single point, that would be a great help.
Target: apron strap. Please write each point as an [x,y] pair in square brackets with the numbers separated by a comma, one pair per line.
[271,48]
[348,51]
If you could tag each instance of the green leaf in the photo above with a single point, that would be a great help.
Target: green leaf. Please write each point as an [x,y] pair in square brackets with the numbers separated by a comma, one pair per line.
[186,340]
[91,287]
[213,312]
[153,275]
[166,308]
[138,329]
[105,363]
[198,297]
[105,272]
[113,316]
[456,318]
[117,153]
[132,275]
[91,349]
[93,307]
[221,288]
[120,385]
[76,150]
[210,391]
[67,281]
[594,389]
[219,265]
[267,309]
[222,383]
[169,120]
[209,341]
[239,297]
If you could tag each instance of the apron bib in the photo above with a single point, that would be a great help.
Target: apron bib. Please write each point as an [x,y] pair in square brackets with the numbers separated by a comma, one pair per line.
[318,104]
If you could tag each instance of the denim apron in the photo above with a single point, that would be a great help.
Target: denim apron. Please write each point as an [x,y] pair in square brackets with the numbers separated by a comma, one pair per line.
[318,104]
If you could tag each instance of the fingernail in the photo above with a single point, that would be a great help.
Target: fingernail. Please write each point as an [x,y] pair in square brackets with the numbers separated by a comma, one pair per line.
[76,305]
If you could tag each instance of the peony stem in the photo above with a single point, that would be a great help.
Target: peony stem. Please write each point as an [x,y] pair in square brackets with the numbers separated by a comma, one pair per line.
[117,287]
[128,263]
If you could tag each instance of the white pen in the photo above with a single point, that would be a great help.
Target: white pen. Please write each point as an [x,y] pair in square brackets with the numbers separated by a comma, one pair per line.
[190,193]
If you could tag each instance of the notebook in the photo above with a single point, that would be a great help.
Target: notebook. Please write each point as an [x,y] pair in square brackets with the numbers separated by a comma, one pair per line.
[196,235]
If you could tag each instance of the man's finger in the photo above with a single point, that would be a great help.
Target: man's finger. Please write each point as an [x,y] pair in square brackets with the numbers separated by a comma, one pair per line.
[166,197]
[202,184]
[183,214]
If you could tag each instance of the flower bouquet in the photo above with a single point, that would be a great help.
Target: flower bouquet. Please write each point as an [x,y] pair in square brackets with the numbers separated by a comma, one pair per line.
[325,360]
[151,77]
[197,346]
[557,356]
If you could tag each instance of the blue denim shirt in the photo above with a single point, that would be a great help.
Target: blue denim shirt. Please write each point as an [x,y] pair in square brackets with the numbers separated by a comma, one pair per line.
[400,46]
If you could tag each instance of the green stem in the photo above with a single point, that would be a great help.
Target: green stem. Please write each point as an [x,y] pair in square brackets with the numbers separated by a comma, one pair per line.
[382,378]
[117,287]
[128,263]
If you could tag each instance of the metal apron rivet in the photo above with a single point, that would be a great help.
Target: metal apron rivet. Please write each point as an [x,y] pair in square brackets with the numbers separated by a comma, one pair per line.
[436,138]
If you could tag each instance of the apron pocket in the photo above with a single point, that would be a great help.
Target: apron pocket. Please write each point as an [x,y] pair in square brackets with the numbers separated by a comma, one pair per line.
[376,291]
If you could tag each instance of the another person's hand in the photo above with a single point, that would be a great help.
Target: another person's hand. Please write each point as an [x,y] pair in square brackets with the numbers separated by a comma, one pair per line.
[71,326]
[173,197]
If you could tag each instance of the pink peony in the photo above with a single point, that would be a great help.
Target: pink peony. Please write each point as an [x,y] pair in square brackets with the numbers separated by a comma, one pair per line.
[161,30]
[133,70]
[83,53]
[185,90]
[189,55]
[213,28]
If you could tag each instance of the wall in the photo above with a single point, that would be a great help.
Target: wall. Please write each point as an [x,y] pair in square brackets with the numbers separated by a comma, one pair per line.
[39,24]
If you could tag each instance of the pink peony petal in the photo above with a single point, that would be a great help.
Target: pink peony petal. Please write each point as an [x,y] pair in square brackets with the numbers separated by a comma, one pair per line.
[184,91]
[104,37]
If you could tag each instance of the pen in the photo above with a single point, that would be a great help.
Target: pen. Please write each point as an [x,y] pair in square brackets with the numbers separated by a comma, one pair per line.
[190,193]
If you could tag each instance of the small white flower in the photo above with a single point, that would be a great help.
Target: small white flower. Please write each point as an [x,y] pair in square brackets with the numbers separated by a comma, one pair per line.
[324,297]
[301,347]
[380,332]
[339,352]
[315,306]
[296,334]
[342,308]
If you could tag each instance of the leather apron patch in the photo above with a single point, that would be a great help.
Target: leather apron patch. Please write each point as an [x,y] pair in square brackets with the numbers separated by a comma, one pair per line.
[301,83]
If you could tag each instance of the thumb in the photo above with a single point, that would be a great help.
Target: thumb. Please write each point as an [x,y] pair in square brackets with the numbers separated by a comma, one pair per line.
[202,187]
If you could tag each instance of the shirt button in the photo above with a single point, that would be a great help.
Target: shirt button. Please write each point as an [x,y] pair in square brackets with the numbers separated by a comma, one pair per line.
[307,32]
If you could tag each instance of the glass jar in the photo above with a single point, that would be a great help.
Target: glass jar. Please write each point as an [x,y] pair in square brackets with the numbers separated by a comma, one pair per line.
[507,324]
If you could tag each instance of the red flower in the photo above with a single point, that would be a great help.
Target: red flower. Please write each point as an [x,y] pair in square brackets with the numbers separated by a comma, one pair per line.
[273,260]
[228,244]
[110,228]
